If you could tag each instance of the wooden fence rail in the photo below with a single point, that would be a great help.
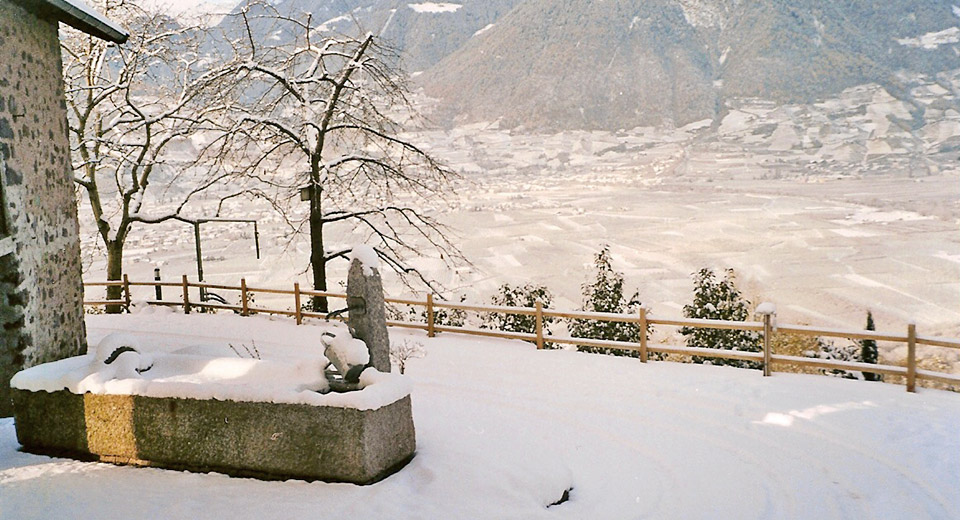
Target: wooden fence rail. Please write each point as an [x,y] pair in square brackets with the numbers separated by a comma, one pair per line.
[643,319]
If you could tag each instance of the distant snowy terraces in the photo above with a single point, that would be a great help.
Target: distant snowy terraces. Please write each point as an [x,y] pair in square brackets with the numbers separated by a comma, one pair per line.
[434,7]
[934,39]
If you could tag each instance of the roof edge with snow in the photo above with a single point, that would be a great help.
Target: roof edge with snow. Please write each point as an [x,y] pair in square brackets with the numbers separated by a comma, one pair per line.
[78,15]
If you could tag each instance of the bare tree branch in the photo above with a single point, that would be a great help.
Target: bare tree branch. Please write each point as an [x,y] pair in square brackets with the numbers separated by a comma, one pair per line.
[318,120]
[127,105]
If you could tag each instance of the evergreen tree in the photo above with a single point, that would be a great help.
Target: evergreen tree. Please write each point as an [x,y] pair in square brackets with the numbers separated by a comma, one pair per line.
[525,296]
[605,294]
[719,300]
[868,351]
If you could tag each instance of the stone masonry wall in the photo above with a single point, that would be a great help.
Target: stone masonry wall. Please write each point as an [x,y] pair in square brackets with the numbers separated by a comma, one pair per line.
[41,292]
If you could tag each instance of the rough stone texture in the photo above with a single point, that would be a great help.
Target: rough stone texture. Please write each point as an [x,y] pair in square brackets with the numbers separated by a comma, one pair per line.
[264,440]
[41,293]
[370,325]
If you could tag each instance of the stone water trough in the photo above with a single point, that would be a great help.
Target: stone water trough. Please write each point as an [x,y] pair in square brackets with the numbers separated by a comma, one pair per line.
[360,436]
[203,410]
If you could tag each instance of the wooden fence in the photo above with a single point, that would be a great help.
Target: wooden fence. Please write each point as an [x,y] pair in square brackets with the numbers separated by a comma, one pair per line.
[189,299]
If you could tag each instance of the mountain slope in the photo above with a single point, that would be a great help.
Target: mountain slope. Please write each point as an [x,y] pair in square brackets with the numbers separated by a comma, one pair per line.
[578,62]
[588,64]
[427,32]
[423,32]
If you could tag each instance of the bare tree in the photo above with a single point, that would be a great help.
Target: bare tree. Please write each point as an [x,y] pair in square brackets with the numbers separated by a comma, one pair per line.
[327,107]
[129,107]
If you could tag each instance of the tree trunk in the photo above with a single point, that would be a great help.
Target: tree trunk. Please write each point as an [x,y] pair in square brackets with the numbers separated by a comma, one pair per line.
[114,273]
[318,261]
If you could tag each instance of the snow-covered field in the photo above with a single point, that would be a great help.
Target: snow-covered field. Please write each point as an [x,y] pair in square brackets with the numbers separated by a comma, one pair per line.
[825,249]
[824,252]
[828,210]
[503,430]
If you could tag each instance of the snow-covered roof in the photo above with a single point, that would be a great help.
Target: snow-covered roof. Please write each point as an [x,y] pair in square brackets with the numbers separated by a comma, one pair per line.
[78,15]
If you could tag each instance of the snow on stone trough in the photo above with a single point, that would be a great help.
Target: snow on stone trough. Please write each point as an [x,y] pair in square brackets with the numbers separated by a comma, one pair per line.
[141,367]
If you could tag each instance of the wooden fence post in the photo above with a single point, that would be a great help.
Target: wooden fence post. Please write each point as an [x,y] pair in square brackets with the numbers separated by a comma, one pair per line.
[126,292]
[643,334]
[430,325]
[767,332]
[539,326]
[296,303]
[912,357]
[186,295]
[244,308]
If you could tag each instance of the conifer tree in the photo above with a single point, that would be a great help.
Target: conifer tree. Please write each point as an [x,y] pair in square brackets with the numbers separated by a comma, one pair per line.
[719,300]
[868,351]
[605,294]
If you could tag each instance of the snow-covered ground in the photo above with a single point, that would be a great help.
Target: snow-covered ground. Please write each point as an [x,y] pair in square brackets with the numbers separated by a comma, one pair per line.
[503,430]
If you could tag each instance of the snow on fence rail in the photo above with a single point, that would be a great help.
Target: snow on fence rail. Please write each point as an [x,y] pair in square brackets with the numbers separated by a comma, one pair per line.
[189,299]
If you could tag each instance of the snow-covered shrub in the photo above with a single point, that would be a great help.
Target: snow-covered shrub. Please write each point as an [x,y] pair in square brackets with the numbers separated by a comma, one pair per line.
[251,300]
[449,317]
[829,350]
[525,296]
[719,300]
[403,351]
[605,294]
[441,316]
[862,351]
[395,312]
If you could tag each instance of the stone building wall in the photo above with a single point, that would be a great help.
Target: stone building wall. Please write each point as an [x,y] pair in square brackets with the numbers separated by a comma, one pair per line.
[41,293]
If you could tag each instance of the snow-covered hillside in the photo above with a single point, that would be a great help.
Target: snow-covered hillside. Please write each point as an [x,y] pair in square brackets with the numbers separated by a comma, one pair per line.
[503,430]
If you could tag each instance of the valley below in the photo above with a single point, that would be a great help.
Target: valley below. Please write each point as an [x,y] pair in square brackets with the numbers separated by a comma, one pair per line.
[827,218]
[825,249]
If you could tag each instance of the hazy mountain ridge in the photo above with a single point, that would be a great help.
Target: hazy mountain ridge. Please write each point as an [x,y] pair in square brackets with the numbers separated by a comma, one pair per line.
[556,64]
[426,35]
[422,32]
[623,64]
[580,64]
